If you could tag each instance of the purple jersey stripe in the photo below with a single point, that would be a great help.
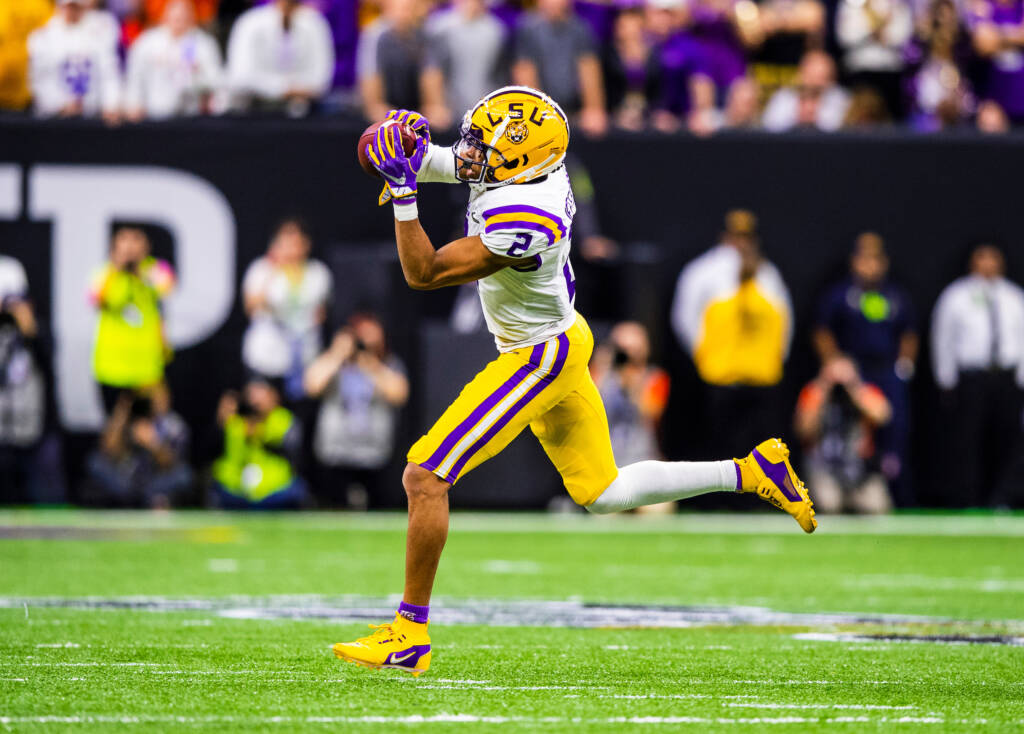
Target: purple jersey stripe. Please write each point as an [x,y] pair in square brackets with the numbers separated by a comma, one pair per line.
[438,457]
[524,209]
[535,226]
[556,369]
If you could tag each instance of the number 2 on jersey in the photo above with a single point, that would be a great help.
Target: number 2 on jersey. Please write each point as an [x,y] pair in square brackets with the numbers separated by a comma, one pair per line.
[520,245]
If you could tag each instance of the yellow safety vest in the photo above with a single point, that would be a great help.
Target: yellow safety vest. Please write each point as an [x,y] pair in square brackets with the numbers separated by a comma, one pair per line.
[247,469]
[129,350]
[743,339]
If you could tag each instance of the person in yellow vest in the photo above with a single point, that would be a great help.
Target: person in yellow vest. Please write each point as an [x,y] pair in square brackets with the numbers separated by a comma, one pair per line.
[732,313]
[262,440]
[18,18]
[130,351]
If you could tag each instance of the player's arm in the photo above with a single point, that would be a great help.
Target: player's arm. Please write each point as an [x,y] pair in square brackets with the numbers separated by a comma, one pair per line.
[458,262]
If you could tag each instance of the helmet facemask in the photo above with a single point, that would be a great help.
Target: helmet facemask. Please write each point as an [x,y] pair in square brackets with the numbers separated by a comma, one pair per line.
[475,160]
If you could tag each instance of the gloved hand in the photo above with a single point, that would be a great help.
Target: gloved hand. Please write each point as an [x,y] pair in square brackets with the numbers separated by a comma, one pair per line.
[399,171]
[414,120]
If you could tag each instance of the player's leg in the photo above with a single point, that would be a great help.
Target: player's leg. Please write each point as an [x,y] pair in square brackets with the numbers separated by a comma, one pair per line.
[575,437]
[428,530]
[489,412]
[574,434]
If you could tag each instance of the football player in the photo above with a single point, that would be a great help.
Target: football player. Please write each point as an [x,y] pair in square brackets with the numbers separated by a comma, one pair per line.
[510,151]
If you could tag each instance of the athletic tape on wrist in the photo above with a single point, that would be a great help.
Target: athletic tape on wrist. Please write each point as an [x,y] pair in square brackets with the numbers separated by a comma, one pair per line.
[405,209]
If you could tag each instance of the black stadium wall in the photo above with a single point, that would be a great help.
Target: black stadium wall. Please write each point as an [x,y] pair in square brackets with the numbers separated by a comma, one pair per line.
[210,192]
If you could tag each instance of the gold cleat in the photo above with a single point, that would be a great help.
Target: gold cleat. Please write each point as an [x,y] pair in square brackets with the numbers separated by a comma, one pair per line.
[402,645]
[766,470]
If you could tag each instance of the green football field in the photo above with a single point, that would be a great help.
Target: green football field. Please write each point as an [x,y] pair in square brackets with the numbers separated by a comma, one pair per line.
[696,622]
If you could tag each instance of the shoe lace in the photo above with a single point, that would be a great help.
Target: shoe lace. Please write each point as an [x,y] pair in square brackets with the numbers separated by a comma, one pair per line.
[382,632]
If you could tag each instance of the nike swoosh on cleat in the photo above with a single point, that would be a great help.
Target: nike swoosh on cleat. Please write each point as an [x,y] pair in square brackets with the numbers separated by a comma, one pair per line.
[403,658]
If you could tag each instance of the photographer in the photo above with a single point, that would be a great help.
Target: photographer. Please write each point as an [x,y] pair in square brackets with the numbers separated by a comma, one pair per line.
[28,467]
[836,418]
[363,387]
[261,442]
[130,352]
[142,456]
[634,392]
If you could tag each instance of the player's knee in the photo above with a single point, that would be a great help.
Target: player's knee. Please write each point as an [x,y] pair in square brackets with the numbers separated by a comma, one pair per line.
[604,503]
[422,484]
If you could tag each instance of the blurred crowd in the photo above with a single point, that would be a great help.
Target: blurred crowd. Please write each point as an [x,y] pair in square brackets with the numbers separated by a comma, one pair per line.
[666,65]
[315,420]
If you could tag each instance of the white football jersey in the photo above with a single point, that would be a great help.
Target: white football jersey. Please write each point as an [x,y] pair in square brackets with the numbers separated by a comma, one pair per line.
[530,303]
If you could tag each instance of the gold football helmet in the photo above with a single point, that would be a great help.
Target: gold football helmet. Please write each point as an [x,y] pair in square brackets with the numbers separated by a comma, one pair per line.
[513,135]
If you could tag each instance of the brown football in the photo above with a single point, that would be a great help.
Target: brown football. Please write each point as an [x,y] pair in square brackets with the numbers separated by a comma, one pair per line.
[408,144]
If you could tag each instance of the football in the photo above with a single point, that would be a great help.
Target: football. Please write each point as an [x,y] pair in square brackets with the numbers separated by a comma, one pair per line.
[408,144]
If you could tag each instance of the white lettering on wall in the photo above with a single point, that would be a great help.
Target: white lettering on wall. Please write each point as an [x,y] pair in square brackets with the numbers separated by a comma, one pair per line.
[10,191]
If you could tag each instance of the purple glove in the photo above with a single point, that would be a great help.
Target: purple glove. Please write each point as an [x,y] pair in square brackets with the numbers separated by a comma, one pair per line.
[399,170]
[414,120]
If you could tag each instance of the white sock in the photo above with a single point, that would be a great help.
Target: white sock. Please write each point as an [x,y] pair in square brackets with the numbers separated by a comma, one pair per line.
[651,482]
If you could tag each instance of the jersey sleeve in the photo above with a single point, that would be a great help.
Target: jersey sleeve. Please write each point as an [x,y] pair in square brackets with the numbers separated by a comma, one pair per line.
[518,230]
[438,166]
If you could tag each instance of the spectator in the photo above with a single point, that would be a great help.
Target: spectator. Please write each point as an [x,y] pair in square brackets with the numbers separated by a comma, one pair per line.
[717,28]
[978,359]
[129,351]
[870,319]
[173,69]
[73,67]
[342,17]
[867,110]
[17,21]
[836,416]
[363,388]
[104,23]
[816,101]
[635,394]
[732,314]
[873,34]
[991,118]
[997,38]
[742,106]
[940,92]
[555,51]
[142,459]
[280,58]
[780,32]
[465,59]
[262,441]
[401,52]
[286,295]
[631,72]
[634,391]
[29,458]
[687,86]
[368,80]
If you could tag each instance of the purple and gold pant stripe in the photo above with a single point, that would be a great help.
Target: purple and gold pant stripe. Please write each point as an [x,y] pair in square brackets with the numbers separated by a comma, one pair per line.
[492,414]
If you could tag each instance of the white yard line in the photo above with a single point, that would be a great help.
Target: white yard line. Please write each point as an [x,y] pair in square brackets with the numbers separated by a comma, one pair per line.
[854,706]
[446,718]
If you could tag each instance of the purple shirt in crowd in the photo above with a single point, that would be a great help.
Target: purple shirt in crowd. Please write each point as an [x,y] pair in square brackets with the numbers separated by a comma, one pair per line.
[1004,81]
[724,56]
[682,56]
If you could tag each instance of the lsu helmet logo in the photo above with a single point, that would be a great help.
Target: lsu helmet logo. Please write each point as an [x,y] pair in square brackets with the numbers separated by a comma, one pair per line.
[513,135]
[517,132]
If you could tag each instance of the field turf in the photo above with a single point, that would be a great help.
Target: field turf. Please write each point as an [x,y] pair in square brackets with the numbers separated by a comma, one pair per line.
[213,622]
